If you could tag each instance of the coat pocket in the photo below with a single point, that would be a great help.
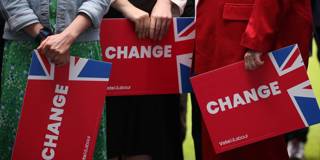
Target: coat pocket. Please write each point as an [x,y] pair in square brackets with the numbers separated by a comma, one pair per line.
[238,12]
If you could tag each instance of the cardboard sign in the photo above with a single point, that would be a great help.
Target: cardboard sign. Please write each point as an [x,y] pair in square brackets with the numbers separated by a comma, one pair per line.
[62,109]
[241,107]
[143,67]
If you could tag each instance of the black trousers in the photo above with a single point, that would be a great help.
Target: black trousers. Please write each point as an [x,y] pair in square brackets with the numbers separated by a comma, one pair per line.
[148,125]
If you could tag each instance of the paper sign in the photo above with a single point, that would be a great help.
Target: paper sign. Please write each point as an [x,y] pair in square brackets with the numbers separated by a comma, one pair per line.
[143,67]
[62,109]
[241,107]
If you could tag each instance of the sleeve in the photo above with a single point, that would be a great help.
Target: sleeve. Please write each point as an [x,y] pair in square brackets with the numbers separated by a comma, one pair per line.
[179,5]
[95,10]
[264,23]
[18,14]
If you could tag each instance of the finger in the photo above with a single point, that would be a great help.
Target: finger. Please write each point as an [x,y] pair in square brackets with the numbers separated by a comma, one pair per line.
[157,28]
[251,64]
[152,27]
[167,25]
[57,60]
[139,29]
[51,56]
[146,27]
[162,28]
[40,48]
[246,65]
[246,61]
[63,60]
[42,43]
[141,32]
[258,59]
[47,48]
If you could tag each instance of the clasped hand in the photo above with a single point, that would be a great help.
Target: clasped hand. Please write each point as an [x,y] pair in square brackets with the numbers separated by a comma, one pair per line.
[154,26]
[56,48]
[252,60]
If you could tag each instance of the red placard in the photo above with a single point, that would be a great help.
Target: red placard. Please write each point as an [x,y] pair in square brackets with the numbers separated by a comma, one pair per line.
[241,107]
[145,66]
[61,110]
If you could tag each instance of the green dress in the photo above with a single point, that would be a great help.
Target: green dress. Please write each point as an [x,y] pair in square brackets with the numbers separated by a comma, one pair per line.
[15,67]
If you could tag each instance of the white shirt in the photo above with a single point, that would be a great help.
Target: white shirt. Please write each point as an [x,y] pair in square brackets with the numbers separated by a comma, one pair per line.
[177,8]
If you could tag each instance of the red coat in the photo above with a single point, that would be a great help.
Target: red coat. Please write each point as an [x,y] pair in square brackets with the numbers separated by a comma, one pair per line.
[226,28]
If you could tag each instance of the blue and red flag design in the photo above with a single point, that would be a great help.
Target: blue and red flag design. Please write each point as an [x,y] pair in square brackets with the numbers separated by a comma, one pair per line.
[287,60]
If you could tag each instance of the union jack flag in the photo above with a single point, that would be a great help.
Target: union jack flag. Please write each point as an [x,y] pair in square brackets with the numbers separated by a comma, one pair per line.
[184,29]
[285,61]
[80,69]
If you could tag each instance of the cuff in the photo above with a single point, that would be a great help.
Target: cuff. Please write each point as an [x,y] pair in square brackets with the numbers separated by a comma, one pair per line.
[94,11]
[253,41]
[178,5]
[21,20]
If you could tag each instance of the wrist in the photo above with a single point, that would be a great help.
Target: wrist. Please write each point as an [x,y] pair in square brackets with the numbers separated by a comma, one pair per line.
[125,7]
[165,2]
[71,36]
[33,29]
[43,33]
[130,11]
[78,25]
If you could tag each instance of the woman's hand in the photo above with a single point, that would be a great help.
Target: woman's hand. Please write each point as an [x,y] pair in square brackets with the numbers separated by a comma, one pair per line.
[161,16]
[252,60]
[139,17]
[33,29]
[56,47]
[141,20]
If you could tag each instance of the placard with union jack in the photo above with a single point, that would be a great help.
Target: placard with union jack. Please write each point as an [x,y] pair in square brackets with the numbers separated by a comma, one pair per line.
[145,66]
[62,109]
[241,107]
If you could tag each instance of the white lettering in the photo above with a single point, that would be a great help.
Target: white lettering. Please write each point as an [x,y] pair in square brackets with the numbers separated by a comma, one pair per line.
[263,91]
[227,103]
[59,100]
[50,143]
[56,112]
[247,97]
[237,100]
[110,52]
[54,128]
[61,89]
[47,156]
[167,51]
[275,89]
[133,53]
[51,138]
[250,95]
[145,51]
[213,104]
[126,52]
[123,52]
